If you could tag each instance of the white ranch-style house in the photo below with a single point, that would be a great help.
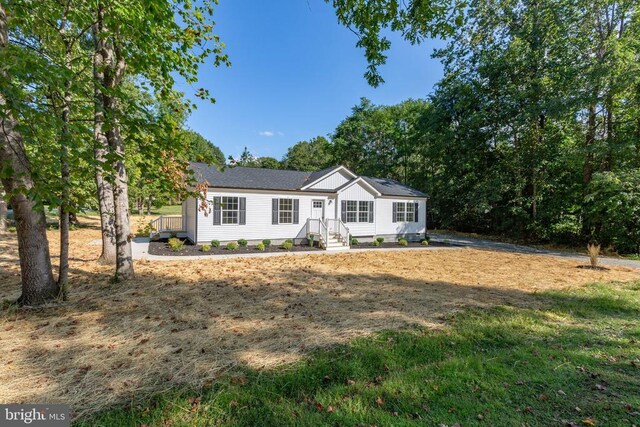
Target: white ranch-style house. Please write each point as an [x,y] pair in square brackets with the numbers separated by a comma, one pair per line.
[333,205]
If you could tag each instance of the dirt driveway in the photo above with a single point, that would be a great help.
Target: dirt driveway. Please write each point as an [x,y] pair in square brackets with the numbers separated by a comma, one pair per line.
[186,322]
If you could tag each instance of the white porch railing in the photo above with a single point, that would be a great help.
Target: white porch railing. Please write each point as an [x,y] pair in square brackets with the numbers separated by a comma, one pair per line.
[317,227]
[166,224]
[336,227]
[340,230]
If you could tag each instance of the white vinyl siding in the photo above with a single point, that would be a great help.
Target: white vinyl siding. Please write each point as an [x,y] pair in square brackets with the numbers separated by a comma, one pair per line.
[189,217]
[357,193]
[384,220]
[333,181]
[258,217]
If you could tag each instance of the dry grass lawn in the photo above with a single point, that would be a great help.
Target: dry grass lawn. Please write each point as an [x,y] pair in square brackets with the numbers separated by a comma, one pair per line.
[186,322]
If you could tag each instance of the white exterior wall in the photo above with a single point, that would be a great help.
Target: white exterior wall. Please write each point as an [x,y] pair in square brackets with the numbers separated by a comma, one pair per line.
[332,182]
[358,192]
[189,217]
[384,221]
[258,217]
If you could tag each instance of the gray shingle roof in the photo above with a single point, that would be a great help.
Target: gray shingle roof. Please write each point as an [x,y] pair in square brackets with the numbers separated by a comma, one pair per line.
[390,187]
[284,180]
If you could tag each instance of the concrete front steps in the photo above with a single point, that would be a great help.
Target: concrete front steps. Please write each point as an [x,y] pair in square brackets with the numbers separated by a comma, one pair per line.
[335,245]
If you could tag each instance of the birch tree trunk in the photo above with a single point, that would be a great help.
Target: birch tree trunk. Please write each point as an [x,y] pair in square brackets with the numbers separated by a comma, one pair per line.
[3,212]
[101,149]
[112,75]
[38,285]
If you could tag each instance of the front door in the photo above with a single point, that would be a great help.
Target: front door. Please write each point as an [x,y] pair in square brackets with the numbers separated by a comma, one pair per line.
[317,209]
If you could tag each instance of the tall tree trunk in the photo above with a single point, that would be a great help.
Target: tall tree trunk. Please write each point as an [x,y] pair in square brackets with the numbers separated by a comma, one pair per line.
[587,169]
[3,212]
[113,72]
[101,149]
[63,269]
[608,165]
[149,200]
[38,285]
[124,260]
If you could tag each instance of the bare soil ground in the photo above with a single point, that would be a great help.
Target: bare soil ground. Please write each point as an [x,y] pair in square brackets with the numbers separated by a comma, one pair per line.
[186,322]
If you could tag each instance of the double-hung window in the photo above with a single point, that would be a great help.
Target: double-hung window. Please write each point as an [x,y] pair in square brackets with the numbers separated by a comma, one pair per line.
[230,207]
[363,211]
[229,210]
[410,212]
[405,212]
[352,211]
[357,211]
[285,211]
[400,212]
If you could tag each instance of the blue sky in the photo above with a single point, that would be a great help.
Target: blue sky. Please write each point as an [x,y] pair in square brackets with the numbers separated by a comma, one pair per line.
[295,74]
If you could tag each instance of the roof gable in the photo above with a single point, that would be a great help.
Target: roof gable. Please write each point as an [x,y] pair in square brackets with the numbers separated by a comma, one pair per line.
[361,182]
[325,173]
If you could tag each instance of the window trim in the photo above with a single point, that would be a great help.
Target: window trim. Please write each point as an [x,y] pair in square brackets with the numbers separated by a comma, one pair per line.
[223,209]
[361,207]
[402,210]
[281,211]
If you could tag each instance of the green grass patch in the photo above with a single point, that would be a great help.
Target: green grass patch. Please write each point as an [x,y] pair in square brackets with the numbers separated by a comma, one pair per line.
[575,360]
[634,257]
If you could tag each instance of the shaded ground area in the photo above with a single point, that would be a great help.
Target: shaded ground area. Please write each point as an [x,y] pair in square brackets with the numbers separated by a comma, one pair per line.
[572,361]
[184,323]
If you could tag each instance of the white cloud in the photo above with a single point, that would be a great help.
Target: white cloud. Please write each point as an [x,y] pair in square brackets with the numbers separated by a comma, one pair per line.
[266,133]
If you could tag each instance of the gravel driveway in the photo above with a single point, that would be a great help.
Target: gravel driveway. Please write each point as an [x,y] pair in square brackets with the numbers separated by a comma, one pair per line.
[471,242]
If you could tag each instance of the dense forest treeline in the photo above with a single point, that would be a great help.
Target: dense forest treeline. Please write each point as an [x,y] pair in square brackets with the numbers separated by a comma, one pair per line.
[533,132]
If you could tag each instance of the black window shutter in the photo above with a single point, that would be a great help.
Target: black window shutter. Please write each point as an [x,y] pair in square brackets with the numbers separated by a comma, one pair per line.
[242,220]
[274,211]
[343,209]
[296,211]
[217,202]
[415,218]
[394,212]
[370,211]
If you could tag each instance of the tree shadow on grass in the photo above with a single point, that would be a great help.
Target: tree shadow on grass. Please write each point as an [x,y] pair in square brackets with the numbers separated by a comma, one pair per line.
[498,366]
[164,331]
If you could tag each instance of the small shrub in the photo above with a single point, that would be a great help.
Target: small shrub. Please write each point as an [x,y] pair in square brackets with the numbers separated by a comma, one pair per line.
[242,242]
[215,243]
[403,242]
[144,228]
[232,246]
[266,243]
[376,242]
[205,248]
[289,241]
[594,251]
[425,242]
[380,240]
[260,247]
[354,241]
[311,239]
[175,244]
[287,245]
[11,229]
